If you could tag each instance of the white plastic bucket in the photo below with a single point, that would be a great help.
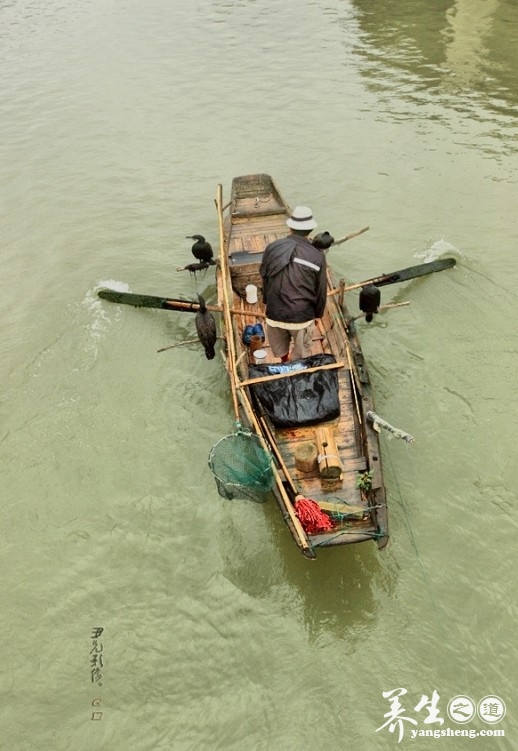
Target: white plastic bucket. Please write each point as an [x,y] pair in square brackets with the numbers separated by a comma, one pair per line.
[251,293]
[259,356]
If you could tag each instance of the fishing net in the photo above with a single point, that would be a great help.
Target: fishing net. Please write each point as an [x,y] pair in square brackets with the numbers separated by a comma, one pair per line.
[241,467]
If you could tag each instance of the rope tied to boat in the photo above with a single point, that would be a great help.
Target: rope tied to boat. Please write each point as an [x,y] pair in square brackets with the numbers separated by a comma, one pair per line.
[374,535]
[378,422]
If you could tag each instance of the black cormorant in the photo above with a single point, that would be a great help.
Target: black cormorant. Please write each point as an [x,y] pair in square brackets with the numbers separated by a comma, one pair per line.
[323,240]
[206,329]
[370,297]
[202,250]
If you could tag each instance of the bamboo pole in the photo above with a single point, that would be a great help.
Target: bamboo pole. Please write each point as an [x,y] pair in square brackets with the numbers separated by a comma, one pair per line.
[350,366]
[226,305]
[240,358]
[353,380]
[193,307]
[280,460]
[341,293]
[278,455]
[300,535]
[383,307]
[289,374]
[350,237]
[179,344]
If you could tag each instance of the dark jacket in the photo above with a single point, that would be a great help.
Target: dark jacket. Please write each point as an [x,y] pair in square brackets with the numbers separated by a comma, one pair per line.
[294,280]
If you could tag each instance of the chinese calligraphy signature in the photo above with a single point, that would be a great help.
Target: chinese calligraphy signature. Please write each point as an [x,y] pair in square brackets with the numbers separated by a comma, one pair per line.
[96,668]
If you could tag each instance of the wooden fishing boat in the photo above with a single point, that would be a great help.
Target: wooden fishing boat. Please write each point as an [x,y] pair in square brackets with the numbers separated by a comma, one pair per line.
[312,420]
[331,457]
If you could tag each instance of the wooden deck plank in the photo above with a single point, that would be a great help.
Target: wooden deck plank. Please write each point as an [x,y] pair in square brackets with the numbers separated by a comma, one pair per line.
[258,225]
[344,439]
[312,488]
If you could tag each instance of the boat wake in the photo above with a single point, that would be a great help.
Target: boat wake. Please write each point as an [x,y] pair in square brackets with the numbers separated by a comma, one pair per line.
[99,319]
[437,250]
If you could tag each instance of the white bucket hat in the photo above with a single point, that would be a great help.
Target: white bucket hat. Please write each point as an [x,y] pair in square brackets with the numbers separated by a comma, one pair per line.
[301,218]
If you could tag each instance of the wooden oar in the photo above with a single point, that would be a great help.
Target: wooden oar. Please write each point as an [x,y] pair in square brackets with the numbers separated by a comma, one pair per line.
[164,303]
[151,301]
[412,272]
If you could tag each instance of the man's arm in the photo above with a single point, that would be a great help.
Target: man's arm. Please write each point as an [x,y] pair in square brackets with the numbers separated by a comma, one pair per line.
[321,291]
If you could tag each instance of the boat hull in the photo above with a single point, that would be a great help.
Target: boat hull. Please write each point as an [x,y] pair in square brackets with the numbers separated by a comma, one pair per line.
[346,479]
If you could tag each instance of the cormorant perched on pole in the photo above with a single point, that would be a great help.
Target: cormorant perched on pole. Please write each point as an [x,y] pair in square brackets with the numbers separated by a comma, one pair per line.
[202,250]
[370,297]
[323,240]
[206,329]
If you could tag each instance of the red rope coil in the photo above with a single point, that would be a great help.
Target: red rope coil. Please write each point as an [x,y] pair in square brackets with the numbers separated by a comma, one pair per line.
[312,517]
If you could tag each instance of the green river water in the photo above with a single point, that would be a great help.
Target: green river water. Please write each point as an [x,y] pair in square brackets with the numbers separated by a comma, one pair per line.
[118,120]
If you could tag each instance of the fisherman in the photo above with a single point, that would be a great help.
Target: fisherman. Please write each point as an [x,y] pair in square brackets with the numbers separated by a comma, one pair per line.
[294,278]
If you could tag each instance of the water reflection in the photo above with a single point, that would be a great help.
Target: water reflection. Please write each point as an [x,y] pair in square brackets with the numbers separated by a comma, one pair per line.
[342,594]
[337,596]
[455,53]
[468,35]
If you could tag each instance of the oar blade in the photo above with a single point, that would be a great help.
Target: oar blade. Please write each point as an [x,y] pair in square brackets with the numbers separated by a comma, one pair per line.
[403,275]
[128,298]
[148,301]
[412,272]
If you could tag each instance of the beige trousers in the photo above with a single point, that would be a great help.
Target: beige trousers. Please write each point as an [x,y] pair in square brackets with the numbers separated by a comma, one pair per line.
[280,340]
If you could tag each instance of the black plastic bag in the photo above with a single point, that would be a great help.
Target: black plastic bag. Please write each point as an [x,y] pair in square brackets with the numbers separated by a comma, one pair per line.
[302,399]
